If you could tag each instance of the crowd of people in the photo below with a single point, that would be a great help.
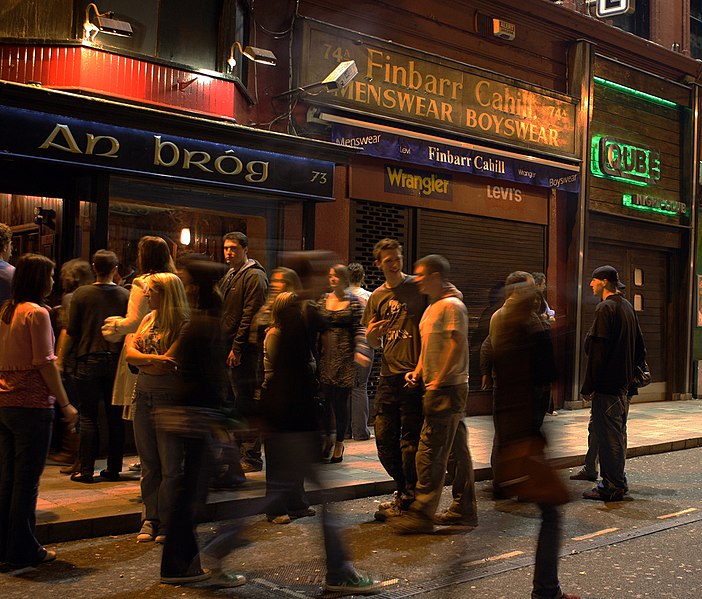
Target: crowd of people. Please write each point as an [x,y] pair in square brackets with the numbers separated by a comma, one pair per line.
[220,368]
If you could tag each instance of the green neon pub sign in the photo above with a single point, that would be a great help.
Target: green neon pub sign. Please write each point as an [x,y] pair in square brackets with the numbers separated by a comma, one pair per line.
[614,158]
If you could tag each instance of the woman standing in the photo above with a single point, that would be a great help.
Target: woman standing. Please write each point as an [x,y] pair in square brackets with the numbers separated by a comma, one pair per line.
[151,350]
[30,383]
[343,346]
[153,256]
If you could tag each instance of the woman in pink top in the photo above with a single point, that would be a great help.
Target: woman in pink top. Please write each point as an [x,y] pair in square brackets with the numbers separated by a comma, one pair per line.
[30,383]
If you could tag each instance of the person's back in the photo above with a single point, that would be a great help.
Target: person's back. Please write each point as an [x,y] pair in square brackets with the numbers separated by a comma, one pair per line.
[90,306]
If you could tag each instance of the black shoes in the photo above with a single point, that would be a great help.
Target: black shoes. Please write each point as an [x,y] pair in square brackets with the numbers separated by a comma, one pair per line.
[597,495]
[82,478]
[109,475]
[583,474]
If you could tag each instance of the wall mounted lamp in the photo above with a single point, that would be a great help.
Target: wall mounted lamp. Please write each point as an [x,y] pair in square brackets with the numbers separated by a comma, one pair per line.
[185,236]
[259,55]
[339,78]
[104,23]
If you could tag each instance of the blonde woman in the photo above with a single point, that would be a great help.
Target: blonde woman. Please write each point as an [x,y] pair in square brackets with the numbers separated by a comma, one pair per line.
[151,350]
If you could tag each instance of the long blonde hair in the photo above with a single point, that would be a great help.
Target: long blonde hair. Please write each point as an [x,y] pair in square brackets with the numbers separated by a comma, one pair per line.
[174,310]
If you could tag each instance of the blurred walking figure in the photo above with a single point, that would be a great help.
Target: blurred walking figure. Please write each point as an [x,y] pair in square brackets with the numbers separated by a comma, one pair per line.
[290,414]
[360,406]
[187,424]
[522,361]
[443,368]
[244,290]
[96,365]
[343,347]
[151,350]
[30,383]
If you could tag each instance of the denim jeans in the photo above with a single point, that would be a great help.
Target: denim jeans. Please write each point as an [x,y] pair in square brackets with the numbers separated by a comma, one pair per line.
[244,385]
[161,459]
[94,381]
[25,436]
[398,422]
[609,415]
[360,407]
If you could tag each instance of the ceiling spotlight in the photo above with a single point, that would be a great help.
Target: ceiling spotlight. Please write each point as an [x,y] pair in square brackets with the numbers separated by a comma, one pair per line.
[105,23]
[339,78]
[259,55]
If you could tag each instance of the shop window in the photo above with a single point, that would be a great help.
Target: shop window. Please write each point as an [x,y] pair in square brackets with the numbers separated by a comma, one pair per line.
[35,222]
[696,28]
[638,277]
[638,302]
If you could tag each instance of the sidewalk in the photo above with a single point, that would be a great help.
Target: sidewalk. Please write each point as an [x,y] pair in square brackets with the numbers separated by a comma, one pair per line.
[67,510]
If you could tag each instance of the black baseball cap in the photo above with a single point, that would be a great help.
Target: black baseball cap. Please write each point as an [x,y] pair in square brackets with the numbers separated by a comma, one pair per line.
[608,273]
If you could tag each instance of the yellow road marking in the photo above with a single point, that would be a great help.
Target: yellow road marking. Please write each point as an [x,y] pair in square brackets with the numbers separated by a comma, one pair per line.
[687,511]
[595,534]
[495,558]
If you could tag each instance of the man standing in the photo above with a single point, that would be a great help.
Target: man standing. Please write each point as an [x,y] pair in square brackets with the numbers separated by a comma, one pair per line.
[96,365]
[614,346]
[443,368]
[7,271]
[391,318]
[244,288]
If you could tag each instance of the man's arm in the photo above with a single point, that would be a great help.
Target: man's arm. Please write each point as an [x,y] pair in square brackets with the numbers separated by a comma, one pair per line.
[255,287]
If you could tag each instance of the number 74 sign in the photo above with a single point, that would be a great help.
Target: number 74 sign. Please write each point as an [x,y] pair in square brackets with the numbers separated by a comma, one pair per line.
[612,8]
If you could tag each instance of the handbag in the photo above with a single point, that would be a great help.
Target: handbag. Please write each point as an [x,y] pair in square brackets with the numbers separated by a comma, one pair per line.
[642,375]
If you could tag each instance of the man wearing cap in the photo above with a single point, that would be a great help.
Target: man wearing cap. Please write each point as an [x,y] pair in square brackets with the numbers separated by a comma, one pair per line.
[614,345]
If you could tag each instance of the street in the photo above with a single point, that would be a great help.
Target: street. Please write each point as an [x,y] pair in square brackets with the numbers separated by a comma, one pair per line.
[645,546]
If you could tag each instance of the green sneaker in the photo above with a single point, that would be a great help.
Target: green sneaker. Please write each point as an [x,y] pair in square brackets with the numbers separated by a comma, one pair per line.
[356,584]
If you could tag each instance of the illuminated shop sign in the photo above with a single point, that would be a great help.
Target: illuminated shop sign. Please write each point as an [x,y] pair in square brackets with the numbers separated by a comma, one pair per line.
[657,205]
[413,182]
[408,86]
[60,139]
[618,159]
[391,146]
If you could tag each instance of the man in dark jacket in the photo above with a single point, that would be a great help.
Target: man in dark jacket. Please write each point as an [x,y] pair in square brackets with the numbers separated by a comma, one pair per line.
[244,290]
[614,346]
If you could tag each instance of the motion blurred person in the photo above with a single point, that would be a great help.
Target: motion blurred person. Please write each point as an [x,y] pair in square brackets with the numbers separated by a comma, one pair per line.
[187,423]
[30,383]
[151,349]
[443,367]
[360,406]
[522,360]
[290,412]
[96,365]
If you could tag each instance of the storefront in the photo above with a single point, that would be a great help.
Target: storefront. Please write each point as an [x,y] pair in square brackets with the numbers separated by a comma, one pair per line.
[454,160]
[640,211]
[80,174]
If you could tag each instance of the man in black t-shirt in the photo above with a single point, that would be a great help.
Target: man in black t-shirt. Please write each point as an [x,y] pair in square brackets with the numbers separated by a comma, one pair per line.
[614,346]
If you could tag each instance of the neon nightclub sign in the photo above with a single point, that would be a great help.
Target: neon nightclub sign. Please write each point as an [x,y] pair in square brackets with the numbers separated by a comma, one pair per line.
[617,159]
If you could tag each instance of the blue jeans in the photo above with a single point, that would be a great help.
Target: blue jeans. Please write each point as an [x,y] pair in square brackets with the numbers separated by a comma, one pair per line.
[161,459]
[609,414]
[25,436]
[546,585]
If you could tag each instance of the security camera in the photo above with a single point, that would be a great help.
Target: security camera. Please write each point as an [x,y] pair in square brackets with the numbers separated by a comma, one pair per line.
[341,76]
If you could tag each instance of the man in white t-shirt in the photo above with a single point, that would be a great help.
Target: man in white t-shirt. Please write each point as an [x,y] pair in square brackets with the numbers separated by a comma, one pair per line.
[443,367]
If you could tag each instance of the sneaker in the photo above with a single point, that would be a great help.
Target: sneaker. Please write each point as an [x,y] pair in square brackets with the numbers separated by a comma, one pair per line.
[147,534]
[198,577]
[386,505]
[135,467]
[356,584]
[282,519]
[583,474]
[389,509]
[160,539]
[249,467]
[412,522]
[295,514]
[227,579]
[449,518]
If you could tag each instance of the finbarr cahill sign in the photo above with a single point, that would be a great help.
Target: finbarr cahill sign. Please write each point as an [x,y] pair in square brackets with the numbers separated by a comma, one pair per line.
[409,86]
[62,139]
[413,182]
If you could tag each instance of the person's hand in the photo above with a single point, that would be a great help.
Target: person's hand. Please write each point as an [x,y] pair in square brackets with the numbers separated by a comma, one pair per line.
[411,379]
[377,327]
[486,382]
[233,359]
[70,417]
[361,359]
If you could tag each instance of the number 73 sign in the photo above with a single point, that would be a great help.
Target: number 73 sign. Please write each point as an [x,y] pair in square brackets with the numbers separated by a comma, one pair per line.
[612,8]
